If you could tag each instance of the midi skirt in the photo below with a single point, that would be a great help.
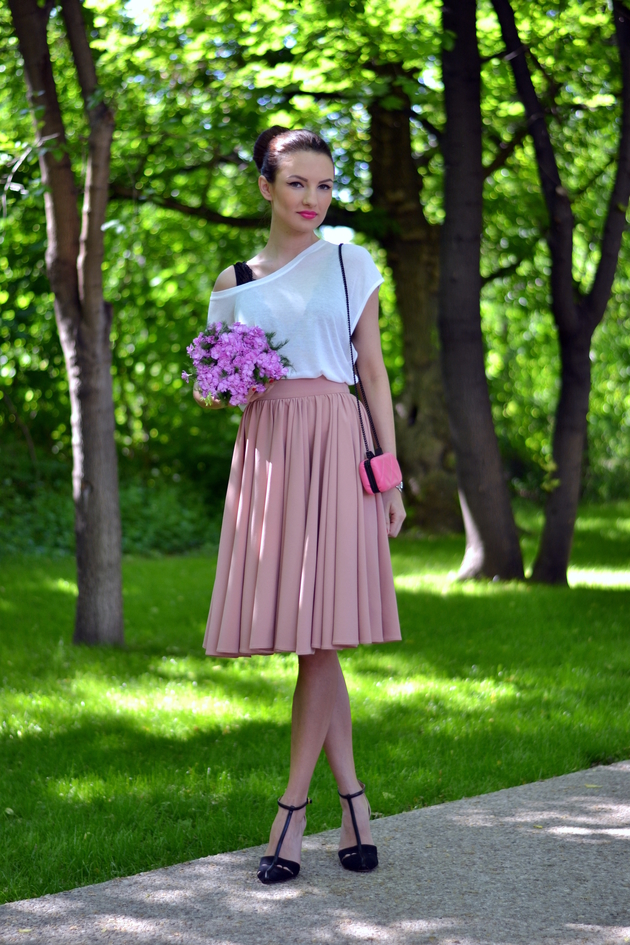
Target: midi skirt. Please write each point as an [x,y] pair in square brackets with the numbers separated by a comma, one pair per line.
[303,558]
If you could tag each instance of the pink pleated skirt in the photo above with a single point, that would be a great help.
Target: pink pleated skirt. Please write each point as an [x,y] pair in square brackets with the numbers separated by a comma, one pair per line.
[304,558]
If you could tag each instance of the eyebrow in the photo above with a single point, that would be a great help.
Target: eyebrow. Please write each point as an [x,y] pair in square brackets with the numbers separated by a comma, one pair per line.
[324,181]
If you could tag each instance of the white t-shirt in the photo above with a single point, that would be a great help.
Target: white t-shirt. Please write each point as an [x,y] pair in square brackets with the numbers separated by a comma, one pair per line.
[305,305]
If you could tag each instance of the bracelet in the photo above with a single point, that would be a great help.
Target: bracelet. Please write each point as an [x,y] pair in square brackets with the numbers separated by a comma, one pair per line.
[400,486]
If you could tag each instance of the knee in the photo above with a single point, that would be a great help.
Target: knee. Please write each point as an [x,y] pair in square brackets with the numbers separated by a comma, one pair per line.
[319,661]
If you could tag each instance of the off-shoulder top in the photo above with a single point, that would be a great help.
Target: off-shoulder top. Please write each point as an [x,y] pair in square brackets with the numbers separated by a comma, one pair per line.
[304,304]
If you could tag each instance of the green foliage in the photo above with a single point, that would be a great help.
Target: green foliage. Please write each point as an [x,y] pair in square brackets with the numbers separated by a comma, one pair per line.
[112,762]
[608,457]
[40,522]
[165,519]
[191,90]
[576,70]
[37,515]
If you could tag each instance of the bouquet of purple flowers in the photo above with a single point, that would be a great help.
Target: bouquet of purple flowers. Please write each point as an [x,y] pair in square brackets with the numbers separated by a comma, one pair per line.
[230,360]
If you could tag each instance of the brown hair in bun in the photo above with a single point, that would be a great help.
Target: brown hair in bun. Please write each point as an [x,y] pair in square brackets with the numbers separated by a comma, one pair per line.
[275,142]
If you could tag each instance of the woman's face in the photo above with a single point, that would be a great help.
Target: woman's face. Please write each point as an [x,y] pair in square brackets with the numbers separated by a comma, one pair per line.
[301,193]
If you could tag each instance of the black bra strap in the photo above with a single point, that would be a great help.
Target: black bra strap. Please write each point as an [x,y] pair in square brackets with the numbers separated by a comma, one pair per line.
[243,273]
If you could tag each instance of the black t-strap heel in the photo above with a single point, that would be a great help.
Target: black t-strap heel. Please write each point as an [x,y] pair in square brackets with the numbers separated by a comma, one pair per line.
[362,858]
[273,869]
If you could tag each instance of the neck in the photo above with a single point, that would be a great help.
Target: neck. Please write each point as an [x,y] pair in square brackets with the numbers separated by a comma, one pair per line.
[285,243]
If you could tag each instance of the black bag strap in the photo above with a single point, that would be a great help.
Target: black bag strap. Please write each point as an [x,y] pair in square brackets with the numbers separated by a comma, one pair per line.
[356,376]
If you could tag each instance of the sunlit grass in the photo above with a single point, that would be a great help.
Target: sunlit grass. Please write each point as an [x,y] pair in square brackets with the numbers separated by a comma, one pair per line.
[112,762]
[599,577]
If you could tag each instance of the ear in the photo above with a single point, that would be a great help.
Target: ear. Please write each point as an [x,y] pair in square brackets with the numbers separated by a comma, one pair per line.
[265,188]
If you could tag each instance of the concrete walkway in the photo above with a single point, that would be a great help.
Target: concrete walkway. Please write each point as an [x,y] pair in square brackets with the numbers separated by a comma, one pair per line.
[544,863]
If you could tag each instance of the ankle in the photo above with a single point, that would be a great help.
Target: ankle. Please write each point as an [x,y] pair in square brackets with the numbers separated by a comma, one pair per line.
[297,818]
[295,799]
[351,786]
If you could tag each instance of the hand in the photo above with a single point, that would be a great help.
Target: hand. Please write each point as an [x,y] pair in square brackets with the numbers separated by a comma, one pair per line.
[395,513]
[254,393]
[214,403]
[208,403]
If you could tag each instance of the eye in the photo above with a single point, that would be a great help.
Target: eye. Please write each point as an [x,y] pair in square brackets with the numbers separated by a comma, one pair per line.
[295,183]
[325,187]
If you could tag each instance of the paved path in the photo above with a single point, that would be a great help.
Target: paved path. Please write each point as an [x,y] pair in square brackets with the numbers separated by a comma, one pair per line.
[544,863]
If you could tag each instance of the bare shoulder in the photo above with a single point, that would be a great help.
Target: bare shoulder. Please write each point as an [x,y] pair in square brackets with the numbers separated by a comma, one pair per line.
[225,280]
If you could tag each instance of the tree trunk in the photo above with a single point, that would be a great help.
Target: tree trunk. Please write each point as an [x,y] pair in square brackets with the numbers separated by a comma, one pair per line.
[492,546]
[575,318]
[568,449]
[412,247]
[99,617]
[73,259]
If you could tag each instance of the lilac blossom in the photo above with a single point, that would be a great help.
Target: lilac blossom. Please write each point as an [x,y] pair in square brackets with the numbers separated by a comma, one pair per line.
[230,360]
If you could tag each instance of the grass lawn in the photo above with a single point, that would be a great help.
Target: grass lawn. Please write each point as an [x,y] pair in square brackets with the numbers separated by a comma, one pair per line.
[113,762]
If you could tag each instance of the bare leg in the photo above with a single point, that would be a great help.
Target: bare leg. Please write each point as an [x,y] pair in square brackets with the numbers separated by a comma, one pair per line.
[314,701]
[338,748]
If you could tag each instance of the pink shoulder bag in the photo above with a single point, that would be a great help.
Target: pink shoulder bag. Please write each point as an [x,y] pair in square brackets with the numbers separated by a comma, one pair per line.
[379,471]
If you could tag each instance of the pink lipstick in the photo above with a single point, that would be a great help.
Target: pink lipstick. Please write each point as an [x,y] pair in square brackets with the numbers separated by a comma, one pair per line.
[307,214]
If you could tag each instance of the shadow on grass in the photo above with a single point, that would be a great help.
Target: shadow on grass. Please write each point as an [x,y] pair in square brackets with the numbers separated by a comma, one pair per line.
[109,799]
[113,762]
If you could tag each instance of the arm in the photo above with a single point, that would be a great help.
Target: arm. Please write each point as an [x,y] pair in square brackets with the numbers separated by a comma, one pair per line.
[226,280]
[367,341]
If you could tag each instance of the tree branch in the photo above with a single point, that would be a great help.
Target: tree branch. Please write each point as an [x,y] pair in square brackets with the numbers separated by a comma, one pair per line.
[168,177]
[92,247]
[120,192]
[371,222]
[615,225]
[81,53]
[217,161]
[556,197]
[503,53]
[591,180]
[497,55]
[374,223]
[12,170]
[424,159]
[429,127]
[62,218]
[501,272]
[291,92]
[506,150]
[552,85]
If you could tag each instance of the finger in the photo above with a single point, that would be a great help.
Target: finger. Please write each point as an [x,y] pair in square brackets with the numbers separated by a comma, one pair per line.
[396,523]
[389,511]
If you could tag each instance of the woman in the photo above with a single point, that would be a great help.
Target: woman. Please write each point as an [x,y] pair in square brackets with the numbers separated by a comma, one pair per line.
[304,561]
